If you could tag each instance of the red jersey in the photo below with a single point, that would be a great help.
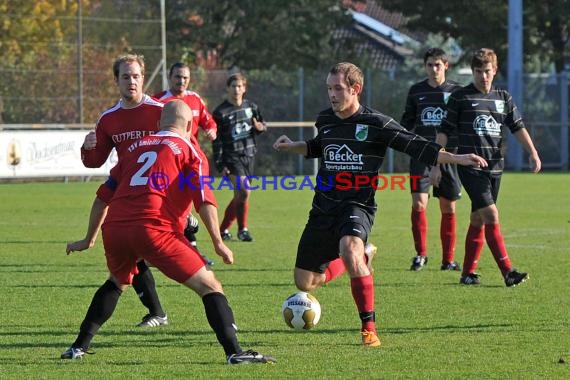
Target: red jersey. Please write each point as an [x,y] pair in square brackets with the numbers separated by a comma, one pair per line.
[201,116]
[154,183]
[118,127]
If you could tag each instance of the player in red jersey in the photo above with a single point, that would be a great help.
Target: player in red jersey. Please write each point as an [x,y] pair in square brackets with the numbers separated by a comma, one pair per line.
[179,78]
[150,192]
[135,115]
[477,114]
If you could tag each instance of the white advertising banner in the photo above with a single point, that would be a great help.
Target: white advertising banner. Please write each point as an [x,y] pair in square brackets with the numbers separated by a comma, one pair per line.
[46,153]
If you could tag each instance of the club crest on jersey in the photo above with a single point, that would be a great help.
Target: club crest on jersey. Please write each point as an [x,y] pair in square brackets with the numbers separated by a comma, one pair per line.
[500,105]
[248,112]
[446,96]
[361,132]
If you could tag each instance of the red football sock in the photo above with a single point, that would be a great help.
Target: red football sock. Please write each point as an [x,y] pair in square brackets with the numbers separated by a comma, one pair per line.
[419,231]
[242,216]
[229,216]
[473,247]
[447,234]
[363,293]
[335,269]
[497,245]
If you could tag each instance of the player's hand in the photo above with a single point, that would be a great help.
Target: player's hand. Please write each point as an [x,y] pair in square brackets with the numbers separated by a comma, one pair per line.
[471,160]
[282,143]
[79,245]
[211,134]
[435,175]
[90,141]
[534,162]
[260,126]
[224,252]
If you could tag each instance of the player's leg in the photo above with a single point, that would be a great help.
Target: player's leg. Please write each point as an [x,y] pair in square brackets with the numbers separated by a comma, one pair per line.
[242,197]
[192,227]
[494,237]
[351,247]
[145,287]
[476,185]
[100,310]
[448,192]
[122,265]
[183,263]
[447,234]
[317,259]
[419,189]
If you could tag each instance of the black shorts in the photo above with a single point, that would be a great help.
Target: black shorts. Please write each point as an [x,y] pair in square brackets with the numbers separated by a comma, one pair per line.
[320,240]
[449,187]
[240,165]
[481,186]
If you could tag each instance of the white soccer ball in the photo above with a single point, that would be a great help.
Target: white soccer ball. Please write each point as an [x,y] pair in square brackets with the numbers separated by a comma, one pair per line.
[301,311]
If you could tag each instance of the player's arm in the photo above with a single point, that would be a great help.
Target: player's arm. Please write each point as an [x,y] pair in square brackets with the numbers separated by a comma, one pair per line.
[96,149]
[96,218]
[524,139]
[97,215]
[258,122]
[469,159]
[209,215]
[207,122]
[285,144]
[435,171]
[409,115]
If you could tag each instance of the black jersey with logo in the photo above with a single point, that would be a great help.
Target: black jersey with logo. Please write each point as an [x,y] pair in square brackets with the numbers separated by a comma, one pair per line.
[351,152]
[477,120]
[236,133]
[426,107]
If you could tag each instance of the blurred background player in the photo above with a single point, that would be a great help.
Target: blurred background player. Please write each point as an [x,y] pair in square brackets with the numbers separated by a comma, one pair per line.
[476,114]
[239,121]
[179,79]
[135,115]
[146,221]
[425,107]
[340,220]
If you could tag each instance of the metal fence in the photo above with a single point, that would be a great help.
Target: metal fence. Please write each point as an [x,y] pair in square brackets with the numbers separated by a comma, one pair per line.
[287,98]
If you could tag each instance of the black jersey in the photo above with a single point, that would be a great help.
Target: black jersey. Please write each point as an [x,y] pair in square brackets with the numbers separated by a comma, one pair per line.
[426,107]
[355,147]
[477,120]
[236,133]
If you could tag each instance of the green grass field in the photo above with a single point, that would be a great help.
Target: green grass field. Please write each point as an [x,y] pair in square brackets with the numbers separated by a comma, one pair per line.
[430,326]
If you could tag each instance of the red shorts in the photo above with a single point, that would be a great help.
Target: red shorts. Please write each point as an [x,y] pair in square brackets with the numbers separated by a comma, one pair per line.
[170,252]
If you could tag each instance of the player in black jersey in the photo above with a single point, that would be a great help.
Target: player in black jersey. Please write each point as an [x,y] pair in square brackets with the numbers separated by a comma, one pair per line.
[239,121]
[351,142]
[476,113]
[425,107]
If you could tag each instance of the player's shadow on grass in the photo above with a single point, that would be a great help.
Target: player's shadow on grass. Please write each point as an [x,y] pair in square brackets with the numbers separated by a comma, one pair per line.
[494,328]
[33,242]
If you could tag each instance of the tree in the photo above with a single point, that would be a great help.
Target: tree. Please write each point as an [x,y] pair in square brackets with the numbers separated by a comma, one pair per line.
[484,24]
[258,34]
[33,47]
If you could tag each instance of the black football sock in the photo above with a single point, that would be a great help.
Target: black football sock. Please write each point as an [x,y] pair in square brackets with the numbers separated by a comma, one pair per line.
[102,307]
[144,285]
[221,319]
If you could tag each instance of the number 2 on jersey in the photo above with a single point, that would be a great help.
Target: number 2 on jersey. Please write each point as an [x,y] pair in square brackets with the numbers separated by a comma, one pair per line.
[147,159]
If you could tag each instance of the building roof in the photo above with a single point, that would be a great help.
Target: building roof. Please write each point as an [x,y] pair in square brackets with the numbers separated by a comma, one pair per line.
[386,41]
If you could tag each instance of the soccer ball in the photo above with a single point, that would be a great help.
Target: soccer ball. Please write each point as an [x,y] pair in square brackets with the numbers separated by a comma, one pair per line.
[301,311]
